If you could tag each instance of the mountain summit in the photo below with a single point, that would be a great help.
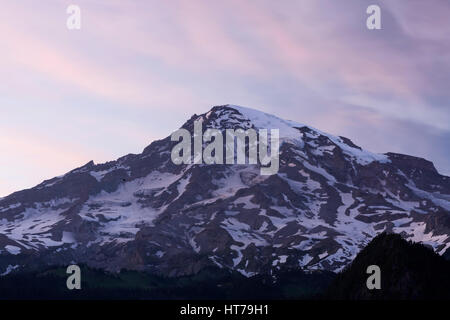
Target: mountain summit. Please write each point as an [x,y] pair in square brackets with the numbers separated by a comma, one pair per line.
[143,212]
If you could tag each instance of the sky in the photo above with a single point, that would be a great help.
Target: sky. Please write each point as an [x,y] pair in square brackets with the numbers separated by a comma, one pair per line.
[137,70]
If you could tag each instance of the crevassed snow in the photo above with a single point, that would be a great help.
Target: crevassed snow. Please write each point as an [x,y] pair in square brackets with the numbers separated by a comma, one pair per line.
[287,129]
[263,120]
[437,198]
[122,208]
[32,227]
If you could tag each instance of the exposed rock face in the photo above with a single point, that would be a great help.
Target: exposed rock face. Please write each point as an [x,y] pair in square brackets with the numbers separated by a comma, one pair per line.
[142,212]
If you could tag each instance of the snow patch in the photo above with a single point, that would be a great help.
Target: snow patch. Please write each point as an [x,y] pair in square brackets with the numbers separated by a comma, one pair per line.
[12,249]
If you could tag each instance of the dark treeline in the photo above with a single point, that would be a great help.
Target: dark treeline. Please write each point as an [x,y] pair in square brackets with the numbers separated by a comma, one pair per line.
[210,283]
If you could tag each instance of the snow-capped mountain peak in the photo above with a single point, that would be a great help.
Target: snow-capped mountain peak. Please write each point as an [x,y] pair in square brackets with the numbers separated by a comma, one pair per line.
[289,131]
[143,212]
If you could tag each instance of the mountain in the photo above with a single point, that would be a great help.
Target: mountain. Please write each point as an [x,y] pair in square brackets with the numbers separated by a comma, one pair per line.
[143,212]
[408,271]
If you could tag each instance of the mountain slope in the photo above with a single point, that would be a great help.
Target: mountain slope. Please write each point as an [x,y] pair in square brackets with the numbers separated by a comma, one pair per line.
[142,212]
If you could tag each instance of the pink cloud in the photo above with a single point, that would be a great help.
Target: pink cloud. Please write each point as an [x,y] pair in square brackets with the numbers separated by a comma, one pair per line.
[169,59]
